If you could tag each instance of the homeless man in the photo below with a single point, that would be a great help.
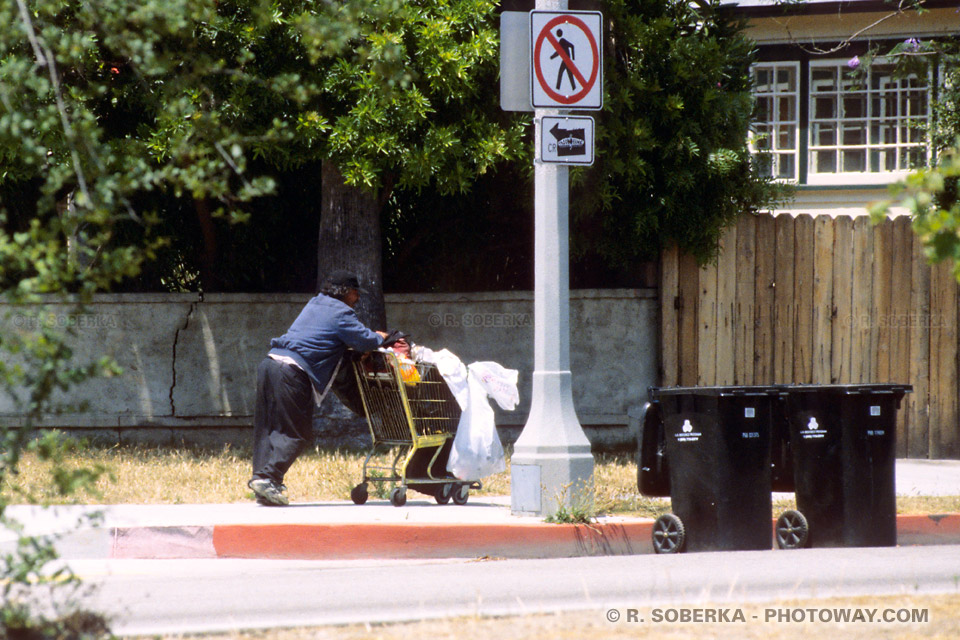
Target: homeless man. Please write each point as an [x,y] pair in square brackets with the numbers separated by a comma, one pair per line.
[296,374]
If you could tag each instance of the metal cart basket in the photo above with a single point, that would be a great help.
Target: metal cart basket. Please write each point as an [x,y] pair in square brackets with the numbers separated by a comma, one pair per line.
[409,409]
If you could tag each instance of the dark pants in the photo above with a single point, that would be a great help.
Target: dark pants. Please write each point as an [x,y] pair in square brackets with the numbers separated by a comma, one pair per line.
[282,418]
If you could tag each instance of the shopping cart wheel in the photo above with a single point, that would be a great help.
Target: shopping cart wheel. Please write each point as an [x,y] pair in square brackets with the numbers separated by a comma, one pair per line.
[461,494]
[444,493]
[359,493]
[668,534]
[398,497]
[793,532]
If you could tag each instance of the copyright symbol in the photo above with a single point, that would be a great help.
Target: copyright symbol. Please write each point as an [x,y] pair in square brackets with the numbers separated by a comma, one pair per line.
[18,321]
[613,615]
[435,320]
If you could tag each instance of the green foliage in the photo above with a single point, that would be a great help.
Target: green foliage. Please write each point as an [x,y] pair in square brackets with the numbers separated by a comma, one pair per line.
[575,504]
[930,196]
[672,161]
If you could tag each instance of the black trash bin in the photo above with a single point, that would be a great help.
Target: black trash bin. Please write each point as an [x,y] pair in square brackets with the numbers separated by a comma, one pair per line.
[843,450]
[717,441]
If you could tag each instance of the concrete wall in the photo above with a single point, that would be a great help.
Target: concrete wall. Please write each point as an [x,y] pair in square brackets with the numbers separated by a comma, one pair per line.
[190,363]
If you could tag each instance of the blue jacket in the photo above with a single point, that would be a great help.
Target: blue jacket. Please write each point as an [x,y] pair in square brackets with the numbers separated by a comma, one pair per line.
[320,335]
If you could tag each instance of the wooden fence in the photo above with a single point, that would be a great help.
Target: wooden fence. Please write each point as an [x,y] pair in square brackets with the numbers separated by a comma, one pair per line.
[820,300]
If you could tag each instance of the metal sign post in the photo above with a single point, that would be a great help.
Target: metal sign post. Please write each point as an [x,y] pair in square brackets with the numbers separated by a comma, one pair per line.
[552,465]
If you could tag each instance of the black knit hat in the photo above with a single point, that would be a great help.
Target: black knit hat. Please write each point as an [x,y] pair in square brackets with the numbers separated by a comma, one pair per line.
[344,278]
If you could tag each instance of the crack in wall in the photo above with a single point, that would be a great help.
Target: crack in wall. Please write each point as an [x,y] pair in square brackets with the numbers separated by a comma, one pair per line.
[176,339]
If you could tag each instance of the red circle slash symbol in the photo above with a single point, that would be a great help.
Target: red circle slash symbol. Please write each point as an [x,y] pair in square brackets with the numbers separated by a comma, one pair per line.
[585,84]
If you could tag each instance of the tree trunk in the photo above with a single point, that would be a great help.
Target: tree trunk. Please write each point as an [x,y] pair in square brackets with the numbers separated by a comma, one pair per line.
[350,239]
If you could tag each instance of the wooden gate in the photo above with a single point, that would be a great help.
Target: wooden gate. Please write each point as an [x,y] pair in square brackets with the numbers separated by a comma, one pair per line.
[820,300]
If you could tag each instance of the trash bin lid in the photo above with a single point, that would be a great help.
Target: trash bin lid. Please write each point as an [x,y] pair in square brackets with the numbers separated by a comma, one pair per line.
[739,390]
[848,389]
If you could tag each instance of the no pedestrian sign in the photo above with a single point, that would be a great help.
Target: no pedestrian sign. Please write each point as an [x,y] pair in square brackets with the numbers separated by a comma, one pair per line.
[566,59]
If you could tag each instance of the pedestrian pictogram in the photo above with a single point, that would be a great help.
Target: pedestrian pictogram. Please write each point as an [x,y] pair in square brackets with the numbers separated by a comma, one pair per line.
[566,59]
[566,139]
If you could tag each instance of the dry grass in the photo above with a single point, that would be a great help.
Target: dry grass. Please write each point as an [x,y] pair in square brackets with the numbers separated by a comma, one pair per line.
[944,624]
[144,475]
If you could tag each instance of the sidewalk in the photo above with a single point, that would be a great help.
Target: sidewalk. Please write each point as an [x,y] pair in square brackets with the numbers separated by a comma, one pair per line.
[484,527]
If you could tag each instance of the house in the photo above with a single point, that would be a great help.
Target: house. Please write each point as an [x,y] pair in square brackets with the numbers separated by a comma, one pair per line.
[832,119]
[813,292]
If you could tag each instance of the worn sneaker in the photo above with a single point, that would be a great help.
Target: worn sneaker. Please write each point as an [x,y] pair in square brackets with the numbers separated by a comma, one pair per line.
[268,492]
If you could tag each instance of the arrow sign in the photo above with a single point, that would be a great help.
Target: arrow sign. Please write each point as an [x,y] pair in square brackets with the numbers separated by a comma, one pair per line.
[566,59]
[566,140]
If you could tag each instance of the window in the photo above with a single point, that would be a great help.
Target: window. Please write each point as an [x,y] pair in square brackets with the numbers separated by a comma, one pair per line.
[775,135]
[859,128]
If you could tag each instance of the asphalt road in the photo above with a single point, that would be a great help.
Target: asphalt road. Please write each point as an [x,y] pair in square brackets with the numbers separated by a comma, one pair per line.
[178,596]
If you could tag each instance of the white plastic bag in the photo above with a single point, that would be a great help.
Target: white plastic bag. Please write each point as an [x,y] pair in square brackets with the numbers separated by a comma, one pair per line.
[450,368]
[499,383]
[476,451]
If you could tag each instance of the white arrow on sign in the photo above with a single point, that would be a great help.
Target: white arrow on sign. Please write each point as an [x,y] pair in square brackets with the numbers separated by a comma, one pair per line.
[566,140]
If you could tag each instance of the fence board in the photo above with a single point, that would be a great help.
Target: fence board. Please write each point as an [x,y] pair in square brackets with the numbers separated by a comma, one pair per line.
[726,293]
[669,320]
[689,332]
[943,361]
[707,325]
[746,285]
[882,301]
[784,300]
[901,272]
[842,320]
[803,302]
[823,308]
[765,283]
[861,348]
[918,440]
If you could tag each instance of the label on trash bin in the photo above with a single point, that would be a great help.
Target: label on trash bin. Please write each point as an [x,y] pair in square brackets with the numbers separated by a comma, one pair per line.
[687,433]
[813,430]
[876,433]
[874,410]
[749,412]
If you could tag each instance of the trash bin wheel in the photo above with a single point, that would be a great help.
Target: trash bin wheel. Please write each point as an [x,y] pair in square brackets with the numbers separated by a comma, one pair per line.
[793,532]
[461,494]
[668,534]
[398,496]
[359,493]
[444,494]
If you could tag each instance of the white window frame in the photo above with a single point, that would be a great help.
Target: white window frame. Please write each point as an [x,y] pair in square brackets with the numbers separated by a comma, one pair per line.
[901,121]
[775,150]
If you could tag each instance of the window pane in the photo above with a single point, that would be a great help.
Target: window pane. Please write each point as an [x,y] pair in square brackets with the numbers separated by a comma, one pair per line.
[914,104]
[824,135]
[761,137]
[825,107]
[763,80]
[786,137]
[786,81]
[764,164]
[825,161]
[787,166]
[788,108]
[823,79]
[855,160]
[764,110]
[855,106]
[854,134]
[883,132]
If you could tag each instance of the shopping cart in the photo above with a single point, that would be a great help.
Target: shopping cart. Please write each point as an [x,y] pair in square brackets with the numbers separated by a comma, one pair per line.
[410,409]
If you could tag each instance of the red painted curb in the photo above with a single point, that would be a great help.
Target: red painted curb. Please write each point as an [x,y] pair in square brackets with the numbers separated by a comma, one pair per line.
[928,529]
[355,541]
[433,540]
